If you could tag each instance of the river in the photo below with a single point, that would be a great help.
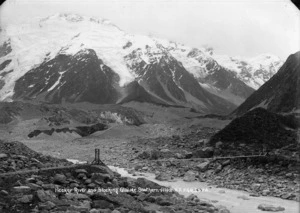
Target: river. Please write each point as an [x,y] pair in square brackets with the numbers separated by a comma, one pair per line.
[229,198]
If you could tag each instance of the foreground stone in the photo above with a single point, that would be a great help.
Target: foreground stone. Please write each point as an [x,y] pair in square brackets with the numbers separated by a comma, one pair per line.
[270,208]
[189,176]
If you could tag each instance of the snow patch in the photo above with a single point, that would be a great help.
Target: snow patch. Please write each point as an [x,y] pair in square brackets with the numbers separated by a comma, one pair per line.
[57,82]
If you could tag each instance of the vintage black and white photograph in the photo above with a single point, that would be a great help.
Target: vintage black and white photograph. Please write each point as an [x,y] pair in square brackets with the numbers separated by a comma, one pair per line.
[149,106]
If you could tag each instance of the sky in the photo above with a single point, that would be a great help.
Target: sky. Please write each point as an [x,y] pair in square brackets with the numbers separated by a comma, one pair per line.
[233,27]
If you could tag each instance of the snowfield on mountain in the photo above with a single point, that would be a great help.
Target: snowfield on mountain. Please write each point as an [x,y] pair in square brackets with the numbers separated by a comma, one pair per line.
[42,59]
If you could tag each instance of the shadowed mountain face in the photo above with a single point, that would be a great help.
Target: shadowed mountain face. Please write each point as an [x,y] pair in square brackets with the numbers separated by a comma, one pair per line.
[168,80]
[219,77]
[78,78]
[225,80]
[84,77]
[280,93]
[135,92]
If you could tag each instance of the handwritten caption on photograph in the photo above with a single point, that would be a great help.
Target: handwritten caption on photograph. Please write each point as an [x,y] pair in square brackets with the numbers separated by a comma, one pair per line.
[126,190]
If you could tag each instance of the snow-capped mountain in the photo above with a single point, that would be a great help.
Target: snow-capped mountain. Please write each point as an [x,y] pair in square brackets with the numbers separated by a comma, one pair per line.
[211,76]
[280,93]
[68,57]
[252,71]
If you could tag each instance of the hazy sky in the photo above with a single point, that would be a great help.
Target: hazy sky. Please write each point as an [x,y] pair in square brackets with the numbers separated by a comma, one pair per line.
[232,27]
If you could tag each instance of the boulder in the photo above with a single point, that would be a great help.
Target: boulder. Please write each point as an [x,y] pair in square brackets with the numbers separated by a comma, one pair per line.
[83,206]
[26,199]
[48,186]
[3,155]
[101,177]
[81,176]
[189,176]
[225,163]
[102,204]
[21,189]
[192,197]
[34,186]
[206,152]
[270,208]
[202,142]
[79,196]
[223,210]
[59,179]
[188,155]
[203,166]
[44,196]
[179,156]
[164,202]
[81,171]
[150,154]
[144,183]
[47,205]
[4,192]
[103,170]
[163,176]
[218,145]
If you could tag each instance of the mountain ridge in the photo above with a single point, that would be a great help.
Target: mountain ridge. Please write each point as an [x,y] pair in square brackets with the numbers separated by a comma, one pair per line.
[68,34]
[281,93]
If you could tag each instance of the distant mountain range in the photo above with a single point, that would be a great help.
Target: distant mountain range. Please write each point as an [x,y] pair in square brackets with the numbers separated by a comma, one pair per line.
[252,71]
[73,58]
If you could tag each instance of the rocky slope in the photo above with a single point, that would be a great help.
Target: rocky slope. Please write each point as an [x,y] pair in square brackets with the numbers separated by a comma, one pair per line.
[280,93]
[67,49]
[85,188]
[172,157]
[15,156]
[257,131]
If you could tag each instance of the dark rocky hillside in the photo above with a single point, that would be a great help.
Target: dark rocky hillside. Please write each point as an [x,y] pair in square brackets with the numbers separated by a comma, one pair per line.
[256,132]
[78,78]
[226,80]
[280,93]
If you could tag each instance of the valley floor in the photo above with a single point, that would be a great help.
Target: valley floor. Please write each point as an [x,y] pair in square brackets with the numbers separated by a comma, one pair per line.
[122,145]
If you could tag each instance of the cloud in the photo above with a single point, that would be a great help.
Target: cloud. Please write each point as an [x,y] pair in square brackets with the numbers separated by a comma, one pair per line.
[236,27]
